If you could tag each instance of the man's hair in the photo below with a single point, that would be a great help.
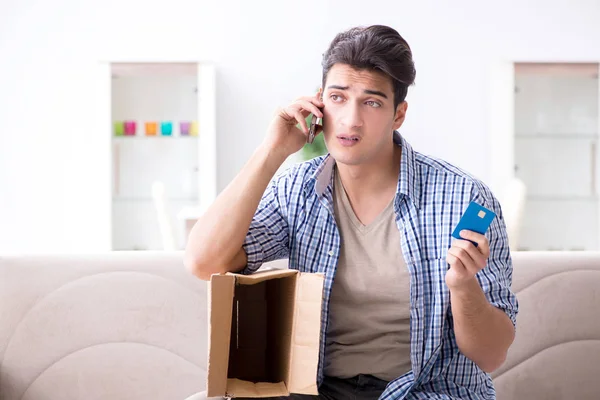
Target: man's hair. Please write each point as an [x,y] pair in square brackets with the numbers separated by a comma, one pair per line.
[375,47]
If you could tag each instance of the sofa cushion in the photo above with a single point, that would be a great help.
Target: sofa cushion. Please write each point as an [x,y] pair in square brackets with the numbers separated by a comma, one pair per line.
[125,325]
[556,351]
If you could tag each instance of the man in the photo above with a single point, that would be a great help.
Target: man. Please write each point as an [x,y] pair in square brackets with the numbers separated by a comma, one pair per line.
[411,313]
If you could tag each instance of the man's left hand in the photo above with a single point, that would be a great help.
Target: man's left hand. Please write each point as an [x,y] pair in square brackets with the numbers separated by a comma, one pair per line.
[466,259]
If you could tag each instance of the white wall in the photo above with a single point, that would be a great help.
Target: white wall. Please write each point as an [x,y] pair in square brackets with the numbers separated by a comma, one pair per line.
[267,54]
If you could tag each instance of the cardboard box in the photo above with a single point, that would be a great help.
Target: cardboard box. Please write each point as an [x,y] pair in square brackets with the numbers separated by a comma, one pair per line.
[264,333]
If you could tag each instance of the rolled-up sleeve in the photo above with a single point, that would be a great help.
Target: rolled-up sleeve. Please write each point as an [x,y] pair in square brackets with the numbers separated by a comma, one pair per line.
[496,278]
[268,237]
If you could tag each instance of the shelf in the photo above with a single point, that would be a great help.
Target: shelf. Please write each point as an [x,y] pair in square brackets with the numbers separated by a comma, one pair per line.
[561,136]
[563,198]
[157,137]
[555,249]
[150,199]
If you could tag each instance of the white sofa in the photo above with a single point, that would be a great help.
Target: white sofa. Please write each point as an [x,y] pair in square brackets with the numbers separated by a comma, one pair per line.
[132,325]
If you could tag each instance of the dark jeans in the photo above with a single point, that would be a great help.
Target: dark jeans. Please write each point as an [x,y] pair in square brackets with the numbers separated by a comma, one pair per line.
[361,387]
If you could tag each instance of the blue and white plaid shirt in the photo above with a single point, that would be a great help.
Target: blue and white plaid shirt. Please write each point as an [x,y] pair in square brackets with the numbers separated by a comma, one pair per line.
[295,220]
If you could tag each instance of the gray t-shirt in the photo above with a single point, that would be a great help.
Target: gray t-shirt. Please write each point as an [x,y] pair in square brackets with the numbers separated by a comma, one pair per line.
[369,325]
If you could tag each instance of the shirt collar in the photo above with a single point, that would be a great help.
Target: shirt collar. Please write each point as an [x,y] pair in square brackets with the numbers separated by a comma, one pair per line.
[408,181]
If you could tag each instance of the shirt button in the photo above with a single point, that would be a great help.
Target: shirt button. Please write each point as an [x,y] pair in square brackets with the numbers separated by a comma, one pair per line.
[331,253]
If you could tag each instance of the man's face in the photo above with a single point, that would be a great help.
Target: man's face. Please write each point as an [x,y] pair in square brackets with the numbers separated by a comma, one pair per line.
[359,114]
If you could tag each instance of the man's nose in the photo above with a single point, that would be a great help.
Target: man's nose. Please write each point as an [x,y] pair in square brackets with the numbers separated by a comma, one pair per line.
[351,117]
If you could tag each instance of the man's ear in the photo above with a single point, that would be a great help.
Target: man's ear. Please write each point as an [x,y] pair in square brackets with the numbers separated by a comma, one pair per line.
[400,115]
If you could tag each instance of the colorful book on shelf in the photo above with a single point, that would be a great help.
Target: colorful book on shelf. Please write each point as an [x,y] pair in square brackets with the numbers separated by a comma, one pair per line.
[151,128]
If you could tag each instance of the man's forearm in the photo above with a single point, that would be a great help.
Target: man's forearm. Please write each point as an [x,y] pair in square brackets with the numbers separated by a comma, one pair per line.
[483,332]
[219,234]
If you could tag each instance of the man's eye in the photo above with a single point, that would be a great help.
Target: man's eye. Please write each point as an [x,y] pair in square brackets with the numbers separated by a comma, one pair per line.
[335,97]
[374,104]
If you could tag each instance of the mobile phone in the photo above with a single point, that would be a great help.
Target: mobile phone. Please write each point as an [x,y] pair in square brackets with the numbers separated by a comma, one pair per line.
[476,218]
[315,122]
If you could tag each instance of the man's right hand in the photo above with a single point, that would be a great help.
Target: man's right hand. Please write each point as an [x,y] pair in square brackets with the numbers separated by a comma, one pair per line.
[283,136]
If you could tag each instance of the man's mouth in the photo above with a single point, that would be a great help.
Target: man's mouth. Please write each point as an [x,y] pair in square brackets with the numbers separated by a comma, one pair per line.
[349,137]
[348,140]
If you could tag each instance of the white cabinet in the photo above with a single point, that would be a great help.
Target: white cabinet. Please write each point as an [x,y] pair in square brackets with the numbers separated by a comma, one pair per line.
[151,96]
[556,139]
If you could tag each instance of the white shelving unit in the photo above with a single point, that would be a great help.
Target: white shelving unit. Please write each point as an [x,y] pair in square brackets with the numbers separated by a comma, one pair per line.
[556,125]
[184,164]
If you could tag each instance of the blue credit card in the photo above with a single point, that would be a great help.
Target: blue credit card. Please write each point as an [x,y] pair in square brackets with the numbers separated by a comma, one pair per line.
[476,218]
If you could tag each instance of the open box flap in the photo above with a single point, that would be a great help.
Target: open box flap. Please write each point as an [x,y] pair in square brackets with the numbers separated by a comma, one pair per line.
[306,334]
[220,296]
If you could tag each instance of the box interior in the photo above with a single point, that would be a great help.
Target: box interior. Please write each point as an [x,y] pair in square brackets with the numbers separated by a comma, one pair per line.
[261,330]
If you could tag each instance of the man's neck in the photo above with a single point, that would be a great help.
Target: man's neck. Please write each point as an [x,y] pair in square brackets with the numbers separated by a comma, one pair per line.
[379,178]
